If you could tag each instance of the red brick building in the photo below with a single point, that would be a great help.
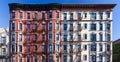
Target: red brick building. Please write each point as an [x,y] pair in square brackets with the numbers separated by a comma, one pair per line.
[36,31]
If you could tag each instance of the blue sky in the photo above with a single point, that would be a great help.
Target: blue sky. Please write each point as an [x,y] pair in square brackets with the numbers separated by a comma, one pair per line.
[4,10]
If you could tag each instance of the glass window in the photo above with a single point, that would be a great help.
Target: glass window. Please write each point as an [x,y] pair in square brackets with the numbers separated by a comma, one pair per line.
[13,59]
[57,58]
[64,58]
[35,15]
[50,15]
[108,58]
[71,58]
[108,37]
[71,47]
[101,47]
[57,26]
[28,37]
[71,36]
[108,26]
[93,26]
[50,26]
[101,15]
[57,15]
[85,26]
[20,48]
[65,47]
[35,26]
[35,48]
[108,47]
[57,48]
[79,26]
[35,59]
[85,15]
[28,15]
[20,37]
[100,58]
[64,37]
[93,58]
[50,48]
[93,15]
[3,51]
[65,27]
[57,36]
[43,16]
[108,14]
[13,37]
[50,37]
[28,59]
[13,48]
[64,16]
[35,37]
[79,15]
[50,58]
[93,47]
[20,26]
[43,59]
[84,57]
[28,48]
[71,25]
[85,47]
[79,47]
[79,37]
[20,59]
[43,37]
[101,37]
[71,15]
[21,15]
[85,36]
[13,15]
[78,58]
[3,40]
[28,26]
[13,26]
[93,37]
[43,48]
[101,26]
[43,26]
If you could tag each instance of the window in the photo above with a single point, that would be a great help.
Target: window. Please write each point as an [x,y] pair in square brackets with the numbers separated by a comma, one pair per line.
[64,16]
[71,47]
[57,15]
[108,47]
[101,37]
[79,47]
[50,15]
[93,37]
[65,48]
[13,26]
[71,36]
[13,59]
[93,47]
[43,26]
[100,58]
[78,58]
[50,26]
[28,37]
[13,37]
[57,26]
[71,25]
[28,48]
[93,16]
[85,57]
[43,48]
[79,26]
[43,59]
[50,58]
[35,26]
[108,14]
[93,26]
[101,47]
[43,37]
[85,15]
[57,48]
[93,58]
[85,36]
[79,15]
[85,47]
[20,48]
[71,58]
[57,36]
[108,37]
[35,59]
[108,26]
[57,58]
[35,48]
[65,27]
[64,58]
[108,58]
[13,48]
[35,37]
[64,37]
[101,26]
[79,37]
[43,16]
[35,15]
[20,37]
[3,40]
[20,59]
[28,26]
[28,15]
[50,37]
[85,26]
[101,15]
[13,15]
[71,15]
[21,15]
[3,51]
[28,59]
[50,48]
[20,26]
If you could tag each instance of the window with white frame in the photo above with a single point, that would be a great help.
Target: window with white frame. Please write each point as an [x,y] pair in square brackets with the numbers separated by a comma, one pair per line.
[13,37]
[64,37]
[13,15]
[20,48]
[100,58]
[28,37]
[64,16]
[20,37]
[101,37]
[13,48]
[3,40]
[57,48]
[35,15]
[85,15]
[79,37]
[108,37]
[84,47]
[20,26]
[3,51]
[50,48]
[57,26]
[78,58]
[28,15]
[100,47]
[71,58]
[50,37]
[50,26]
[20,15]
[57,36]
[64,48]
[50,58]
[101,26]
[93,58]
[65,27]
[107,14]
[43,48]
[57,15]
[79,47]
[50,15]
[101,15]
[28,26]
[64,58]
[84,57]
[93,16]
[13,26]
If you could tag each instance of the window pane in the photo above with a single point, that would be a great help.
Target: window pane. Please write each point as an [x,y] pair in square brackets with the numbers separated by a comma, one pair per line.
[28,15]
[65,16]
[13,15]
[20,15]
